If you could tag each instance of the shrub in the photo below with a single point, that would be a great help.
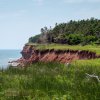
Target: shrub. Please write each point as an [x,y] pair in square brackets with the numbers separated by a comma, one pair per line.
[74,39]
[89,39]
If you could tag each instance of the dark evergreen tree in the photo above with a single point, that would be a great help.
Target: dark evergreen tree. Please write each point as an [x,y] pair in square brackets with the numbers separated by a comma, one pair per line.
[73,32]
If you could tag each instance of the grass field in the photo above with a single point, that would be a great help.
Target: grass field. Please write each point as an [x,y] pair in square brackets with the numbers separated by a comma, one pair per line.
[51,81]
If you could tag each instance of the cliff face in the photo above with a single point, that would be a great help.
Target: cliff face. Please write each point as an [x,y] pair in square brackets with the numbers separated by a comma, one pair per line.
[30,55]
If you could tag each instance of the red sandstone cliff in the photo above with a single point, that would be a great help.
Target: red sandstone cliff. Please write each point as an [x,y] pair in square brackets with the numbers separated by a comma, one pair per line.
[30,55]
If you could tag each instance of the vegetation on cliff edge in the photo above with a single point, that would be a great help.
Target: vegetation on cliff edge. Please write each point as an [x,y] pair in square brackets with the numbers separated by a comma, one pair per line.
[93,48]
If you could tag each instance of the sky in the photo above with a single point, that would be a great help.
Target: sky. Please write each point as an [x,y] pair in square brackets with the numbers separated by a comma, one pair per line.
[21,19]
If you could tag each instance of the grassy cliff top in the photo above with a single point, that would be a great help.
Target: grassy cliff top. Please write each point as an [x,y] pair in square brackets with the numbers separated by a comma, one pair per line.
[93,48]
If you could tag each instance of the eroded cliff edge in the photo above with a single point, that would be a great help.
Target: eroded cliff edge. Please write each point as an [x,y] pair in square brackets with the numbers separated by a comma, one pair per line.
[31,54]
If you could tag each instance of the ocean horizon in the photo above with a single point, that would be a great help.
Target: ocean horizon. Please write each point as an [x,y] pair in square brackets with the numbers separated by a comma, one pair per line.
[7,55]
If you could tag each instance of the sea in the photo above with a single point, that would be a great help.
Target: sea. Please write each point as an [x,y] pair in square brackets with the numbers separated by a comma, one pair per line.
[8,55]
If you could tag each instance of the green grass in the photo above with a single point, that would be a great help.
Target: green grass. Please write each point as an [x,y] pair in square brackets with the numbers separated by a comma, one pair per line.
[94,48]
[51,81]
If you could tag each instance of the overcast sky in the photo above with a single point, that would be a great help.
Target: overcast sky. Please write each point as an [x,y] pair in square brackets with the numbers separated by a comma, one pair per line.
[20,19]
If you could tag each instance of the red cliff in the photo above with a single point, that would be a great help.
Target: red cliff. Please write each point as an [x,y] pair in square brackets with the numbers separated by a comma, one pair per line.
[30,55]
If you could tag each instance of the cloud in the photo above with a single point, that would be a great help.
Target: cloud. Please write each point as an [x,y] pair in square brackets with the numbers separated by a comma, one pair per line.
[73,1]
[38,2]
[12,14]
[86,13]
[82,1]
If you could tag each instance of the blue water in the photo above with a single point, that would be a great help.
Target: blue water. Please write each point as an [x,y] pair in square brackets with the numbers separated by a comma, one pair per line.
[8,55]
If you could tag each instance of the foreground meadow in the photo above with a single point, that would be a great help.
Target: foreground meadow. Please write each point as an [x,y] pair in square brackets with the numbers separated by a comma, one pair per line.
[51,81]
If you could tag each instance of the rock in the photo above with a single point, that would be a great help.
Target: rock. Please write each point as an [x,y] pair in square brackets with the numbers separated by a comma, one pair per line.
[93,78]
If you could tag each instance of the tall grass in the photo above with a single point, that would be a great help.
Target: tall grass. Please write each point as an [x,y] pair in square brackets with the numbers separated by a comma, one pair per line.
[51,81]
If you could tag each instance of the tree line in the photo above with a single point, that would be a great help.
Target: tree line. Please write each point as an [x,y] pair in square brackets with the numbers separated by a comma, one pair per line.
[73,32]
